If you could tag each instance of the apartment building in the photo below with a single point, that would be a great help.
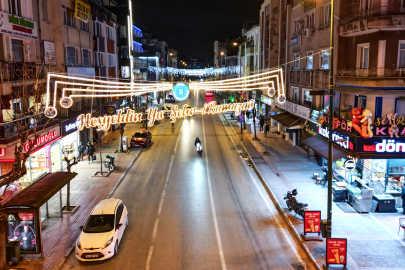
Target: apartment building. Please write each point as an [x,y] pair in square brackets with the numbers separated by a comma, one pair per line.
[249,49]
[270,27]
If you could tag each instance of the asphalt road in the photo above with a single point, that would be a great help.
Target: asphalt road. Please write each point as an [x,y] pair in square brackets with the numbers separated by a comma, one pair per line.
[192,212]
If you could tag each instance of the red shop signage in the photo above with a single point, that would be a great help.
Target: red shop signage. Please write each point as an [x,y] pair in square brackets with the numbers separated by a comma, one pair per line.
[336,251]
[41,140]
[312,222]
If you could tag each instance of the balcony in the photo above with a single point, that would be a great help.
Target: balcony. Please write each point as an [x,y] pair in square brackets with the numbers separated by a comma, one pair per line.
[301,77]
[10,129]
[372,20]
[13,71]
[371,72]
[321,78]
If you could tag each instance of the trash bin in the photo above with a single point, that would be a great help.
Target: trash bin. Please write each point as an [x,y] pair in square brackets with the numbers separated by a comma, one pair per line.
[13,251]
[249,127]
[324,226]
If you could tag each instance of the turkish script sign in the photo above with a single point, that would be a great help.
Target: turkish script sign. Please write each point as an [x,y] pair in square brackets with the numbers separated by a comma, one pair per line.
[312,222]
[336,251]
[16,26]
[45,138]
[82,11]
[296,109]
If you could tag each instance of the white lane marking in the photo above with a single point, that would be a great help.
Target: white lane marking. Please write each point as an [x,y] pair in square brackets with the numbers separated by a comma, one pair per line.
[293,247]
[219,241]
[149,258]
[160,208]
[388,230]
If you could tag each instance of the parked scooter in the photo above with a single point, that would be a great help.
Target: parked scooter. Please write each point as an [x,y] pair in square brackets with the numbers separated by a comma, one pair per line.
[199,148]
[109,163]
[292,203]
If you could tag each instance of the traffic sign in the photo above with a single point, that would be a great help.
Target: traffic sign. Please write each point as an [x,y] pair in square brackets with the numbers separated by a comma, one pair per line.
[241,117]
[350,164]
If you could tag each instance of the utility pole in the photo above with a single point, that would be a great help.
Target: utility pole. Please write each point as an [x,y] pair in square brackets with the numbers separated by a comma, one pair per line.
[330,142]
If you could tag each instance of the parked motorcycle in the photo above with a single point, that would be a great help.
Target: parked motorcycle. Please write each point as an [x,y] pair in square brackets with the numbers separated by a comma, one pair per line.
[199,148]
[293,204]
[109,163]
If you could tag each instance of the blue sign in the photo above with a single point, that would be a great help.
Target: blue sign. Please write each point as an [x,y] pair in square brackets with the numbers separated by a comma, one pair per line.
[181,92]
[241,117]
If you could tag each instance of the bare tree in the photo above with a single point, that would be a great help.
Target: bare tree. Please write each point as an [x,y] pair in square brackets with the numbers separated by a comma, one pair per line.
[23,107]
[69,164]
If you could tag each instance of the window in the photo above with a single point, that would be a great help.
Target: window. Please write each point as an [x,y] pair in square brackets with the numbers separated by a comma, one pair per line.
[118,216]
[97,32]
[297,61]
[325,15]
[401,54]
[311,20]
[307,98]
[399,107]
[109,32]
[111,60]
[124,52]
[362,55]
[295,91]
[309,61]
[98,59]
[68,16]
[45,9]
[17,47]
[71,56]
[85,57]
[378,107]
[84,26]
[123,31]
[15,7]
[360,101]
[297,26]
[324,60]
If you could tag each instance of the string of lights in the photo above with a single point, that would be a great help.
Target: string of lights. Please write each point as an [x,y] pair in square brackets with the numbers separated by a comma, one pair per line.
[195,72]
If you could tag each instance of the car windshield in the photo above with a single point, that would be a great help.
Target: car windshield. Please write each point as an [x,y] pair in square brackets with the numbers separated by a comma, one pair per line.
[140,135]
[99,224]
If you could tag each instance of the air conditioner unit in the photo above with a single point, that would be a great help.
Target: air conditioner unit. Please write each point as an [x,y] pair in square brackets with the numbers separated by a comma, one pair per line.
[307,32]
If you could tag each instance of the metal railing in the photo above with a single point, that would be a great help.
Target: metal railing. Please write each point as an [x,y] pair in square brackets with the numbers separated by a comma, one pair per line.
[16,71]
[9,129]
[390,9]
[371,72]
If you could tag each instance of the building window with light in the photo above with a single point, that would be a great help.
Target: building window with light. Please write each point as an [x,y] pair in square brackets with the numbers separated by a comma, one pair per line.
[295,92]
[71,56]
[363,55]
[307,98]
[68,16]
[309,60]
[401,54]
[296,64]
[85,57]
[324,63]
[325,15]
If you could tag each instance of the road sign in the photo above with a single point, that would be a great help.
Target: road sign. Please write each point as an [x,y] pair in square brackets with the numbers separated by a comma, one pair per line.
[350,164]
[241,117]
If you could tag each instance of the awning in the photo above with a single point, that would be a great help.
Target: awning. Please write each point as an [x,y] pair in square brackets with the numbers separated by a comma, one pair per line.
[35,195]
[320,146]
[368,91]
[288,120]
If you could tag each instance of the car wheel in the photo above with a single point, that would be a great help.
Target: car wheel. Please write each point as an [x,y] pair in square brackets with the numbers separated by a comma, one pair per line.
[116,248]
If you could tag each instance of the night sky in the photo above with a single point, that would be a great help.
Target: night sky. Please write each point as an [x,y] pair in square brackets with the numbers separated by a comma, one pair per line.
[191,27]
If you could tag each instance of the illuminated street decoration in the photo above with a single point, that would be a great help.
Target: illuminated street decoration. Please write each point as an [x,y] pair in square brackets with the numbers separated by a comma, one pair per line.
[104,122]
[181,91]
[206,72]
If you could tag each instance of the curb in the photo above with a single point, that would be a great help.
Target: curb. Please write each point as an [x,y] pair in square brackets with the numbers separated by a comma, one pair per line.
[67,254]
[277,203]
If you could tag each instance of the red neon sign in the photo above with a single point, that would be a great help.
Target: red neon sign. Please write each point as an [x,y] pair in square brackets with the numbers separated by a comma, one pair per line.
[41,140]
[2,152]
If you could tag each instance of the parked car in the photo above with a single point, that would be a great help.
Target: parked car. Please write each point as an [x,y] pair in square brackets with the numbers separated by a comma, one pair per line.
[141,138]
[103,231]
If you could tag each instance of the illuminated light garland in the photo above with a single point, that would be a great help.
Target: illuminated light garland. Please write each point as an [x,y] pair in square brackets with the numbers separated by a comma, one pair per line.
[195,72]
[104,122]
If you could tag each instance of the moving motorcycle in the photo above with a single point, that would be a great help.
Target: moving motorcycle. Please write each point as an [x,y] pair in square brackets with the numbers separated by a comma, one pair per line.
[199,148]
[109,163]
[293,204]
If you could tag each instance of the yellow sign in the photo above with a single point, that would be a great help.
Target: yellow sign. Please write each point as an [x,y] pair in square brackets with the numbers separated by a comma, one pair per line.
[82,11]
[105,122]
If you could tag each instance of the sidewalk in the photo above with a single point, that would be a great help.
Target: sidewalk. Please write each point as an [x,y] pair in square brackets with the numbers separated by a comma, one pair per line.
[373,239]
[59,234]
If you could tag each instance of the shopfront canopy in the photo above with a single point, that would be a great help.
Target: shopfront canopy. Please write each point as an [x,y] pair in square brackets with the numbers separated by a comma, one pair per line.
[320,146]
[288,120]
[37,194]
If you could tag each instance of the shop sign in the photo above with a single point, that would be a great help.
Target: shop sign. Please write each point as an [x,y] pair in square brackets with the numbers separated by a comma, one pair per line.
[267,100]
[82,11]
[386,146]
[50,53]
[181,91]
[17,26]
[347,144]
[350,164]
[296,109]
[336,251]
[312,222]
[2,152]
[305,126]
[72,126]
[49,136]
[21,226]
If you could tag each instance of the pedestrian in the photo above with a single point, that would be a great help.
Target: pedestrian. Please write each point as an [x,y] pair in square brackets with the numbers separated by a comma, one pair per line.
[247,114]
[82,149]
[261,122]
[266,128]
[325,177]
[403,198]
[90,152]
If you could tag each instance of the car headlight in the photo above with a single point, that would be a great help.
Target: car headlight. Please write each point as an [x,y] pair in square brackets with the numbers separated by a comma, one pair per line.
[79,246]
[108,242]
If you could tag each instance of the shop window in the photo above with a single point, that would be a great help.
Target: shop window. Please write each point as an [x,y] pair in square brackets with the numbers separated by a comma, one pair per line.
[71,56]
[378,107]
[15,7]
[324,63]
[360,101]
[86,57]
[17,47]
[400,107]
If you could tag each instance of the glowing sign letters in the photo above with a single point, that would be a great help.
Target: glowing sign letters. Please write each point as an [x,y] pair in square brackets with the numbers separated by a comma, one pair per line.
[390,146]
[41,140]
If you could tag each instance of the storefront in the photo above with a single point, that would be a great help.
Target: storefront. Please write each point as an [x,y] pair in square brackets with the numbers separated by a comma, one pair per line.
[70,138]
[45,157]
[368,160]
[266,104]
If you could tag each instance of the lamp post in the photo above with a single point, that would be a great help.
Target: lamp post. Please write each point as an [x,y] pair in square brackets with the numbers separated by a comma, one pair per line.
[330,142]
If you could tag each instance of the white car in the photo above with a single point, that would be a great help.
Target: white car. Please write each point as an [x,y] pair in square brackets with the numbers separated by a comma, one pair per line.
[103,231]
[167,108]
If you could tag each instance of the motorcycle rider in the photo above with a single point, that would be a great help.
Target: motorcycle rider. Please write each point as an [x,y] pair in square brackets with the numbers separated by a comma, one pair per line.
[197,140]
